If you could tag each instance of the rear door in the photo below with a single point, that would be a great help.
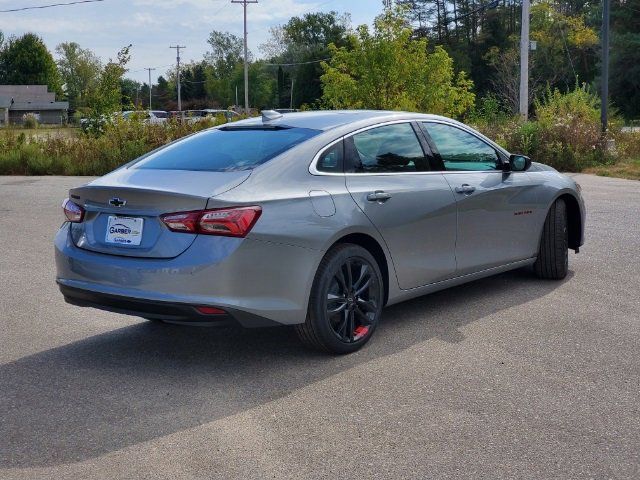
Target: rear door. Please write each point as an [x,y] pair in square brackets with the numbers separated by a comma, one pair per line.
[496,221]
[389,176]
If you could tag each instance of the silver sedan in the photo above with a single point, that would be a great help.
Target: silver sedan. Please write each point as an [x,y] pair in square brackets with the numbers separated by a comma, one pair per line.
[316,220]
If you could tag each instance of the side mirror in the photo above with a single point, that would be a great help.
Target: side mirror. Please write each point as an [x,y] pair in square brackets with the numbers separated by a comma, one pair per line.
[518,163]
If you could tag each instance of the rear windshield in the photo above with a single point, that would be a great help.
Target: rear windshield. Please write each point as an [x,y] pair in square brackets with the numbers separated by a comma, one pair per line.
[226,149]
[161,114]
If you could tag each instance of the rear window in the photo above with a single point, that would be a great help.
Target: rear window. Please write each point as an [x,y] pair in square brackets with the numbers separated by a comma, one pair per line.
[226,149]
[161,114]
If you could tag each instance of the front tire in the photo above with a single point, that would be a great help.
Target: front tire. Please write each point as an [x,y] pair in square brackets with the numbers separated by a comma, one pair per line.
[346,301]
[553,254]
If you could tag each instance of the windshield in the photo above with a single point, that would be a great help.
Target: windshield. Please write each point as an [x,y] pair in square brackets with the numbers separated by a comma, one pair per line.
[226,149]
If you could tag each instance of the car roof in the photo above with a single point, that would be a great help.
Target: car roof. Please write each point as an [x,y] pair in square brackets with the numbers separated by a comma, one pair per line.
[329,119]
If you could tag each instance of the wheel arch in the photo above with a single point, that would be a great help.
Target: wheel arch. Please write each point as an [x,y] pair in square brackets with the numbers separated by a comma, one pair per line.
[375,249]
[574,220]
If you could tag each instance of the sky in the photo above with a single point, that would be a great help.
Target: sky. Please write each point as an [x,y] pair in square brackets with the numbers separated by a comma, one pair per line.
[153,25]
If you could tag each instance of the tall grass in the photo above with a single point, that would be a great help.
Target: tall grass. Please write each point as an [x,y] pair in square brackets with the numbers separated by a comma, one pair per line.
[87,154]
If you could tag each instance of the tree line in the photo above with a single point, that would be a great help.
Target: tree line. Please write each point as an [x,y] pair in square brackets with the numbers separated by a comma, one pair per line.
[442,56]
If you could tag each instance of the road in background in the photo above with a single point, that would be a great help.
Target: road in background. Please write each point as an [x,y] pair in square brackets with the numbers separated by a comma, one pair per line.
[507,377]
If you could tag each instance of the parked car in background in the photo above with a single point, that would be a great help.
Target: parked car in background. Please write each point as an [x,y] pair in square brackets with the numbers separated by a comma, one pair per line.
[228,114]
[314,219]
[153,117]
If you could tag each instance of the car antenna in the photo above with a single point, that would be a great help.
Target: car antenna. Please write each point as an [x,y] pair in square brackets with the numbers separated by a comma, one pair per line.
[269,115]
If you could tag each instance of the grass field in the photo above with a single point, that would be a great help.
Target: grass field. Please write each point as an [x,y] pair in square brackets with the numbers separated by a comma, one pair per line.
[43,132]
[629,169]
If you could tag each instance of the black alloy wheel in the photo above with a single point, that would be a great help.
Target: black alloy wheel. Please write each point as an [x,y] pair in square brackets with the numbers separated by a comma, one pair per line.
[346,301]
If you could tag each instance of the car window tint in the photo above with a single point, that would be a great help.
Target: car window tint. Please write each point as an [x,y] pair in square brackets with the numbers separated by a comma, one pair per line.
[460,150]
[225,149]
[391,148]
[331,159]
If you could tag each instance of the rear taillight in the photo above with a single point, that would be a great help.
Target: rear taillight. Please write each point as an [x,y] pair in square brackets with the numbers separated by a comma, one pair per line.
[73,211]
[228,222]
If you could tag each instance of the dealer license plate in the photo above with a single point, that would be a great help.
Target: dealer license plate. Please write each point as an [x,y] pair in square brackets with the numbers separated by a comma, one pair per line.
[125,231]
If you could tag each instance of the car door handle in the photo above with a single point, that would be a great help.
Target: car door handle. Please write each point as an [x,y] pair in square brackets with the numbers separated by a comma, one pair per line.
[379,196]
[465,188]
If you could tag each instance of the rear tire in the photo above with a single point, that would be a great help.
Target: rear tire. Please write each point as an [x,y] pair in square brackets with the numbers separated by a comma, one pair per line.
[553,254]
[346,300]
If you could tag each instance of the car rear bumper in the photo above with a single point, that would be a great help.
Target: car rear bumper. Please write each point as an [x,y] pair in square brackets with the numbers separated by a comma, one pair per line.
[154,310]
[258,283]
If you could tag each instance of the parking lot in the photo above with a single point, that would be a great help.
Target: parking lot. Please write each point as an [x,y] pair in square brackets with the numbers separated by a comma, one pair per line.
[507,377]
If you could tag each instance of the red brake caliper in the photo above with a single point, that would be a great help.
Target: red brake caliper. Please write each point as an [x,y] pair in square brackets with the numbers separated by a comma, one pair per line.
[360,332]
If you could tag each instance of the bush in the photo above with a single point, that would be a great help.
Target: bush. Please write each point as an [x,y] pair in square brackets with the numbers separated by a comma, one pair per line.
[89,153]
[29,120]
[565,133]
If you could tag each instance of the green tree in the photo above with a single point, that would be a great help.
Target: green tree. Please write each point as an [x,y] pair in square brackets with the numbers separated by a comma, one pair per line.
[624,78]
[131,93]
[223,60]
[390,69]
[106,98]
[26,61]
[226,52]
[261,85]
[193,81]
[301,44]
[79,71]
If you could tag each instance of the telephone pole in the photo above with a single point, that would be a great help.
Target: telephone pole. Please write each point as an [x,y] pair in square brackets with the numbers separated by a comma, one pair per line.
[246,60]
[178,47]
[291,103]
[524,59]
[149,70]
[604,99]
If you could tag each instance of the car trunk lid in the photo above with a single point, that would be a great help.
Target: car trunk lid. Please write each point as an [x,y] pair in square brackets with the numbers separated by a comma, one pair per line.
[123,209]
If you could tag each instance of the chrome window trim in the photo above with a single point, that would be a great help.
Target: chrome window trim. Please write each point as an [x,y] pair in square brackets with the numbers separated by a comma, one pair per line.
[313,170]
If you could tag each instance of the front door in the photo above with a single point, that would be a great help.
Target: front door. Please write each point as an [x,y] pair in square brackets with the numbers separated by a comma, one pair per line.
[390,178]
[496,220]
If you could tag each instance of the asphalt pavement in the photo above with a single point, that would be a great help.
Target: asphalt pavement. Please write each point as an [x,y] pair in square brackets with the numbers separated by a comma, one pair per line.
[506,377]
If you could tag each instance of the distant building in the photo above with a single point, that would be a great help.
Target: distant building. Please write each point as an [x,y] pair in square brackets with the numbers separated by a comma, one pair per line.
[18,100]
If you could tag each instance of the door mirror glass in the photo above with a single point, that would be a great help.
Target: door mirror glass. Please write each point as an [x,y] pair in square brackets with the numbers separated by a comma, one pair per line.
[519,163]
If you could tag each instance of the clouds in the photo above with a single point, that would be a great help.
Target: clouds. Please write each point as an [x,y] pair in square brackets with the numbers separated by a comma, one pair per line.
[152,25]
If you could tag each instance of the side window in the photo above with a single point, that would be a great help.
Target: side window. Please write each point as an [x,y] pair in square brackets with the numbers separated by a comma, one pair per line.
[331,159]
[460,150]
[391,148]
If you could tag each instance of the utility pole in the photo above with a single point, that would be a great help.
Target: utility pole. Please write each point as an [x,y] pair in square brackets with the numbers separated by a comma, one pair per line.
[524,59]
[291,103]
[149,70]
[178,47]
[246,60]
[604,99]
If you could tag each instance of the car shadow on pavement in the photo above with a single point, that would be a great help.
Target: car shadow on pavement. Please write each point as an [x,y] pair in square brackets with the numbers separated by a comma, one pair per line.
[141,382]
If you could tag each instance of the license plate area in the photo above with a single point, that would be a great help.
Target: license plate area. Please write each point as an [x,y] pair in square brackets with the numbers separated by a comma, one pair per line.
[124,231]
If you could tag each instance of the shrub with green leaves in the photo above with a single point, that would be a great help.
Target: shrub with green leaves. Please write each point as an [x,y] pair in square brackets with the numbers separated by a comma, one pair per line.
[564,134]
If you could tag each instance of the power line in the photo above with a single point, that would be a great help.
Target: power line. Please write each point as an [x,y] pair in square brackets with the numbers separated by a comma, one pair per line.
[39,7]
[297,63]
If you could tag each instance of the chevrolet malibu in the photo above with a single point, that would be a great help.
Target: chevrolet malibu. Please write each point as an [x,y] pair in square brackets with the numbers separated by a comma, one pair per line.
[316,220]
